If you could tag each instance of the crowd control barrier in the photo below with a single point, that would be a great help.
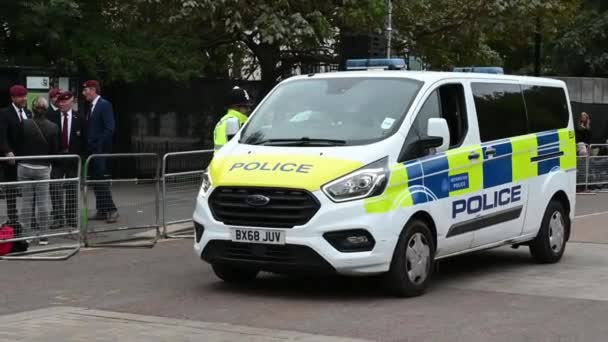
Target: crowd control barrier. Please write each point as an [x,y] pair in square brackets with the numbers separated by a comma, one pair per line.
[136,200]
[43,203]
[182,175]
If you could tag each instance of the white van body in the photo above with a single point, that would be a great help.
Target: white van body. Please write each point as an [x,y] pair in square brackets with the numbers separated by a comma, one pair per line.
[505,152]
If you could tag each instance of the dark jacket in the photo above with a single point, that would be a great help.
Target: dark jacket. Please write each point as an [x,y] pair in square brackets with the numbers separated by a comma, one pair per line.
[39,139]
[77,141]
[583,135]
[100,128]
[10,129]
[51,113]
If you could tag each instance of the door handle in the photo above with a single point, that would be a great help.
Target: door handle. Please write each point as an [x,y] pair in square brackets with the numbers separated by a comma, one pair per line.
[473,155]
[490,151]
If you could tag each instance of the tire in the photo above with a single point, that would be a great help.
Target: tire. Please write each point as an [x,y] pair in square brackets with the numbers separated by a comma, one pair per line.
[415,246]
[550,243]
[234,274]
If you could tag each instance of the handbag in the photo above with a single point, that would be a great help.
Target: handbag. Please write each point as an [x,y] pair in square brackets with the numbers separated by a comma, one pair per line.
[6,233]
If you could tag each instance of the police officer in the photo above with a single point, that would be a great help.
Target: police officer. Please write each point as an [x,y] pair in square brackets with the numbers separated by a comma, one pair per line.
[239,107]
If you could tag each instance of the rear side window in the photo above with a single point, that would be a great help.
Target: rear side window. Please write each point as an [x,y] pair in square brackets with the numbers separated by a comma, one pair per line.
[501,112]
[547,108]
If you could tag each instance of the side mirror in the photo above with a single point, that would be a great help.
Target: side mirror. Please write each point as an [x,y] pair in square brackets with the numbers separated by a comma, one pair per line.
[419,148]
[438,129]
[232,127]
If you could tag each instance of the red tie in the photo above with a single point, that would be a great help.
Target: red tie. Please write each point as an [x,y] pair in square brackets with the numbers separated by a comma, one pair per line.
[64,134]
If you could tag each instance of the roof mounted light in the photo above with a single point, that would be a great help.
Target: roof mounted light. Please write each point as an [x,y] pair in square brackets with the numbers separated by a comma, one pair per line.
[376,64]
[482,70]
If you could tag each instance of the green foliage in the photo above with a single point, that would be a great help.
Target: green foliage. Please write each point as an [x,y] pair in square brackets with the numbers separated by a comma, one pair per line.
[581,47]
[114,39]
[464,32]
[179,39]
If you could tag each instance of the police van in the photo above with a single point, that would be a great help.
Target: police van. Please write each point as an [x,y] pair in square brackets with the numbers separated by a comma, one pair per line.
[387,172]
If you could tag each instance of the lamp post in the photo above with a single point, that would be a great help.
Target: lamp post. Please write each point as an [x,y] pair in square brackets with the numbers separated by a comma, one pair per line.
[389,29]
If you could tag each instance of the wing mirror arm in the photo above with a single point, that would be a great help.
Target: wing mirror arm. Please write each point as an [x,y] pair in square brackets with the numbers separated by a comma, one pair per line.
[437,137]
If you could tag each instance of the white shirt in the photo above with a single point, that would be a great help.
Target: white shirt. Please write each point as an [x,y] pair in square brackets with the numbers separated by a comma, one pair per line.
[94,103]
[69,125]
[20,112]
[54,108]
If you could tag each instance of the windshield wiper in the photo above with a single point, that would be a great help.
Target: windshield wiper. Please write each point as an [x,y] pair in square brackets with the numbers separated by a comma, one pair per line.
[303,141]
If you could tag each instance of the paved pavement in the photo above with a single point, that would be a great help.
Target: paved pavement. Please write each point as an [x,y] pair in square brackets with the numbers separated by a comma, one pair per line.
[498,295]
[86,325]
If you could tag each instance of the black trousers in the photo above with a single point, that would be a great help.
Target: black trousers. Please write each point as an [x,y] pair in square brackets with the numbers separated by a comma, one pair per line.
[64,195]
[103,195]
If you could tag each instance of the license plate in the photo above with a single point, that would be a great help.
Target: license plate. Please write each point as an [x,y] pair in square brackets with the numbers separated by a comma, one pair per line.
[271,237]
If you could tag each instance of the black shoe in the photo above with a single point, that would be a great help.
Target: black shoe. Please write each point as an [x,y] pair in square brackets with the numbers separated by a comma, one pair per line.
[99,216]
[112,217]
[19,246]
[57,224]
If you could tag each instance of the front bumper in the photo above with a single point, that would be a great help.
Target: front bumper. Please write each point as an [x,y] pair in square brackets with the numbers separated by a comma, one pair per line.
[306,249]
[271,258]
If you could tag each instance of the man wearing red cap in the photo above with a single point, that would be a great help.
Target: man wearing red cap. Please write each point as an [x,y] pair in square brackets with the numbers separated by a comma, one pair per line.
[71,140]
[11,123]
[99,141]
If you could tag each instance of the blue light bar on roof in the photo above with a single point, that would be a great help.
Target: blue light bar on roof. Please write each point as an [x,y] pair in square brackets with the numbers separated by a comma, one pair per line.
[483,70]
[376,64]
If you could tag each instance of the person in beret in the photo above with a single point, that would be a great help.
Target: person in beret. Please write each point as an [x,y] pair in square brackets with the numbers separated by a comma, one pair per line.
[100,134]
[70,140]
[11,124]
[53,105]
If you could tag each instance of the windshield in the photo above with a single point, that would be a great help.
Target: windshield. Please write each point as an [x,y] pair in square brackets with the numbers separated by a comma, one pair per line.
[331,111]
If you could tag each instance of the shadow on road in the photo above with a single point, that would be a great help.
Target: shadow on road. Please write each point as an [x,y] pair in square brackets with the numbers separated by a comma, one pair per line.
[365,288]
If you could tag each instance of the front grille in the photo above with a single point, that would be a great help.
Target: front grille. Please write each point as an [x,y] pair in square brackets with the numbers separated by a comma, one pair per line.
[273,258]
[286,208]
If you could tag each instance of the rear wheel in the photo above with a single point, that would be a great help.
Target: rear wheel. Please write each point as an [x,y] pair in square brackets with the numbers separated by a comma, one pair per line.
[234,274]
[550,243]
[413,261]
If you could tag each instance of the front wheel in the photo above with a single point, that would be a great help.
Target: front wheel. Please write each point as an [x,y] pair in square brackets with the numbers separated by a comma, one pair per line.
[234,274]
[413,261]
[550,243]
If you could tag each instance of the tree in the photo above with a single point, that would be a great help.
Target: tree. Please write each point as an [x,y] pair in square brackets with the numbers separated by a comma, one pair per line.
[119,40]
[473,32]
[580,49]
[280,35]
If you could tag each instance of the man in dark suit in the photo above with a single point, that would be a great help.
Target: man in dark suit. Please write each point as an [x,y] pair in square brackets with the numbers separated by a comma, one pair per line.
[11,123]
[53,104]
[99,141]
[71,140]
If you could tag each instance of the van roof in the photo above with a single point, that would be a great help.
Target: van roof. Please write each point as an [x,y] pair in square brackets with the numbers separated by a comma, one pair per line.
[433,76]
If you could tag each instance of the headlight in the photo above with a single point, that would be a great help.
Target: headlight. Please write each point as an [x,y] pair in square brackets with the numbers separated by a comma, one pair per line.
[206,184]
[366,182]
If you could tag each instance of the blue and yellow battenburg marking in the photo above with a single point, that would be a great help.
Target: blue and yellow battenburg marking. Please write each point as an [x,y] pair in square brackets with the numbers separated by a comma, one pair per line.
[453,174]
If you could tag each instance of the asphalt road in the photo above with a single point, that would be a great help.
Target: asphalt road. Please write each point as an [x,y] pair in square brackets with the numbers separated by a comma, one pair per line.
[499,295]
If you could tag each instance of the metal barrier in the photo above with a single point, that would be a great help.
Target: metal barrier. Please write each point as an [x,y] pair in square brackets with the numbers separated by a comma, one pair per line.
[592,169]
[127,213]
[42,204]
[581,170]
[597,167]
[182,174]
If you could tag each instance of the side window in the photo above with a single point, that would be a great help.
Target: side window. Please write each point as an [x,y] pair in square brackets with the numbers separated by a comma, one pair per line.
[454,111]
[446,102]
[547,108]
[501,112]
[430,109]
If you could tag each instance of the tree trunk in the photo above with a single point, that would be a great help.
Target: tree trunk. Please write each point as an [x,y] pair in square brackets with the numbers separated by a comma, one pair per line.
[538,46]
[268,57]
